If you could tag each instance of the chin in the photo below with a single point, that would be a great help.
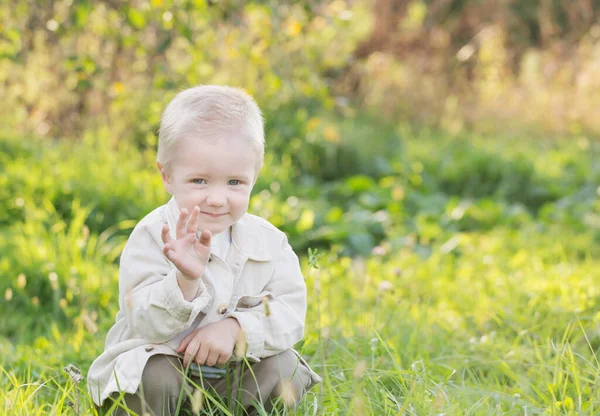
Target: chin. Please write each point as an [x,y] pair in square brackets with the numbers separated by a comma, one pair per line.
[216,229]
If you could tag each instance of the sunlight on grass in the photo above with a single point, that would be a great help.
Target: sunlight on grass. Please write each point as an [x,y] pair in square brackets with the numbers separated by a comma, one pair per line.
[440,298]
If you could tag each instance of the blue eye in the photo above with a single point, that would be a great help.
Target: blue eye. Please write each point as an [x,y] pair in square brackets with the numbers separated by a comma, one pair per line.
[198,181]
[234,182]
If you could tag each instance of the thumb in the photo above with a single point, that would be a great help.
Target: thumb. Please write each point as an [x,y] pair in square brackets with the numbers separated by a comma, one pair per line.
[184,343]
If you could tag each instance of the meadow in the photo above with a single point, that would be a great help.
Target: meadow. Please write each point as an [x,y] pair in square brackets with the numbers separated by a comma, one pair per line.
[460,279]
[435,166]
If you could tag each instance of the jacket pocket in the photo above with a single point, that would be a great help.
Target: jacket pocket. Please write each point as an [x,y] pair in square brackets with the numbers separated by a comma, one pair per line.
[246,302]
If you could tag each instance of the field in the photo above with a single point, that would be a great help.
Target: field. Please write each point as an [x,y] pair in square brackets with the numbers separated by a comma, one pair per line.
[435,164]
[457,275]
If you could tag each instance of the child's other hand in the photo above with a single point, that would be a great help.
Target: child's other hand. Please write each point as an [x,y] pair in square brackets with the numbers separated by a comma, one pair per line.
[212,344]
[187,252]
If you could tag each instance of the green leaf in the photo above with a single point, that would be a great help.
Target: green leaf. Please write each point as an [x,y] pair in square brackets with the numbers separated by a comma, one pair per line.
[81,15]
[362,243]
[306,221]
[136,19]
[360,183]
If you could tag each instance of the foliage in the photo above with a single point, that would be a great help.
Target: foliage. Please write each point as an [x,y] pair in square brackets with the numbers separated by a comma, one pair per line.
[76,67]
[445,283]
[71,68]
[486,66]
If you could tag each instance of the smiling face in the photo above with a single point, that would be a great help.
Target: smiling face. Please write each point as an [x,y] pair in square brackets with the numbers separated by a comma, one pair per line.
[215,175]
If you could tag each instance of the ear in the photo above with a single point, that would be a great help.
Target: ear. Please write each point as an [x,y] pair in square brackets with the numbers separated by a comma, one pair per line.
[258,169]
[166,178]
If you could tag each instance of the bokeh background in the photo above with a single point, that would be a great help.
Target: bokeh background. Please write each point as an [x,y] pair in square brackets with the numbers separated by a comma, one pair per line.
[441,156]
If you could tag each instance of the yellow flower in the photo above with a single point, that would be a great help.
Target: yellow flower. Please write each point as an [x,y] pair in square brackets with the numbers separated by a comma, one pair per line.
[398,193]
[568,403]
[312,124]
[118,87]
[331,134]
[21,281]
[293,28]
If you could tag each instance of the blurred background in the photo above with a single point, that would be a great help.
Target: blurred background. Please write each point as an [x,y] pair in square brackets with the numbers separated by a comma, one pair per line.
[73,67]
[398,131]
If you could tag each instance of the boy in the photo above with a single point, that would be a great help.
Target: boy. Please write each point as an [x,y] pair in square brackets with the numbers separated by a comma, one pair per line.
[199,273]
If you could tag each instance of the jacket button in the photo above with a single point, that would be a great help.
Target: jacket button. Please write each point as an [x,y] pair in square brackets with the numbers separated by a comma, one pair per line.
[148,349]
[222,309]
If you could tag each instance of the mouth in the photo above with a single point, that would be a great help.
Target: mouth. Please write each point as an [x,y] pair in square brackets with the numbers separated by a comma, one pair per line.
[212,215]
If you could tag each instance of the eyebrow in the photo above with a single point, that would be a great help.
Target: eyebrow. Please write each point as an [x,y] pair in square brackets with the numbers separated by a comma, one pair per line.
[205,175]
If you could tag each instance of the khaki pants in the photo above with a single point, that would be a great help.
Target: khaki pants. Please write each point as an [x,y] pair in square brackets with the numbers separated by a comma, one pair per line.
[164,388]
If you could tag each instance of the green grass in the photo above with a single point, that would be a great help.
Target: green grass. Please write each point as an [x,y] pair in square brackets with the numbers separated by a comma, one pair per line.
[479,299]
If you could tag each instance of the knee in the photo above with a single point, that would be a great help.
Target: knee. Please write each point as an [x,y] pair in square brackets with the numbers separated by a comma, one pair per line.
[293,376]
[162,376]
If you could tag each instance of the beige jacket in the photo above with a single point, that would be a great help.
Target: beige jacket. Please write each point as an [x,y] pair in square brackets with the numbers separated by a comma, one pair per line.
[154,317]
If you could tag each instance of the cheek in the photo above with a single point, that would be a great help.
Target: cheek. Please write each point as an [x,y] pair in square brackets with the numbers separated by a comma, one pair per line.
[241,201]
[186,198]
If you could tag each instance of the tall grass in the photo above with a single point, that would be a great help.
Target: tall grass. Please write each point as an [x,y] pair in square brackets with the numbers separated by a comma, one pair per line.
[443,287]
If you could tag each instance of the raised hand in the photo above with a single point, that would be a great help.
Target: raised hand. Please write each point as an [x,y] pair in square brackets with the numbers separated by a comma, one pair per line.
[188,252]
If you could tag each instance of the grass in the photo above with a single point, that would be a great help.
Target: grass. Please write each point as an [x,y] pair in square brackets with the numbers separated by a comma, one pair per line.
[489,331]
[471,304]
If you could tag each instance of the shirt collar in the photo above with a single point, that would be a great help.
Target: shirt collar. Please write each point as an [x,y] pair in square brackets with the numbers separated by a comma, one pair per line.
[247,237]
[220,243]
[246,234]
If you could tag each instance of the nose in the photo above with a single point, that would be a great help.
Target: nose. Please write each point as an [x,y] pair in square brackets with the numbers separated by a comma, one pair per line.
[215,198]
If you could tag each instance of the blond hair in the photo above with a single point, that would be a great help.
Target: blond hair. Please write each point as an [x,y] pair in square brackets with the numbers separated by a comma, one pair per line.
[210,111]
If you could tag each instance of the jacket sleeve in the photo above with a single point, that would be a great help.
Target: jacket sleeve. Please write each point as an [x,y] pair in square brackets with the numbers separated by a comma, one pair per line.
[149,294]
[273,321]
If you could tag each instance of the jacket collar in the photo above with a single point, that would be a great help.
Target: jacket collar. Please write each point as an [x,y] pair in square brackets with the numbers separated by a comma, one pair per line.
[246,235]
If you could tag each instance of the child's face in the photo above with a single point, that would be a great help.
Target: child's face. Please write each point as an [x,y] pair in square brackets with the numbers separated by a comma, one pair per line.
[216,175]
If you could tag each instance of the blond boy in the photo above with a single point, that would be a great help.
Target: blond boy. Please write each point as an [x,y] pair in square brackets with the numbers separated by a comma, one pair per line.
[199,274]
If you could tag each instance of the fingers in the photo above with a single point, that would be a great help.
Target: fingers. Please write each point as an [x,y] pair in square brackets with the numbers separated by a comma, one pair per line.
[166,237]
[202,354]
[206,346]
[184,343]
[192,224]
[169,252]
[181,222]
[191,351]
[212,358]
[205,238]
[223,359]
